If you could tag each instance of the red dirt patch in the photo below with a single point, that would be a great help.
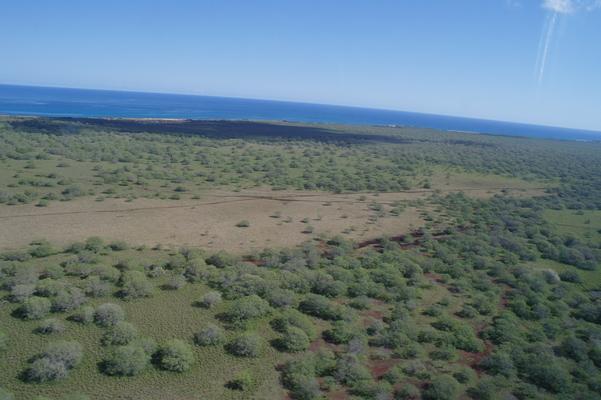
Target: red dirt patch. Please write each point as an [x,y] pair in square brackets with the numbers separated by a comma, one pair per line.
[474,359]
[338,395]
[320,343]
[379,368]
[434,277]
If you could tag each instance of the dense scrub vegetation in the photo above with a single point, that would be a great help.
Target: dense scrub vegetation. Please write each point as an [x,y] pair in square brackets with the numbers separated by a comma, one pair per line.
[499,301]
[46,160]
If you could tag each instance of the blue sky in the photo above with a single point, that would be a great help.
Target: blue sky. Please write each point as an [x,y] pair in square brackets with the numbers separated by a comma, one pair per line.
[479,58]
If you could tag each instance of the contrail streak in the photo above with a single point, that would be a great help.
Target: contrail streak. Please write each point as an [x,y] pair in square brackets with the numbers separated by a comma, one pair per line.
[548,35]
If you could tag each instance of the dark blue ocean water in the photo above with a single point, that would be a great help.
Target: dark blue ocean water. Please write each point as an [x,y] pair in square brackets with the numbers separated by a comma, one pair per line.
[44,101]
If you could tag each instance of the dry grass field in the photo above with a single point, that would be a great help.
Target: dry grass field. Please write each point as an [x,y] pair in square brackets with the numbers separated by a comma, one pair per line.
[276,218]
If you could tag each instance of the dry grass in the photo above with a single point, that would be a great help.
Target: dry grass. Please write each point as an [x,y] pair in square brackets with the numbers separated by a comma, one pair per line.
[277,218]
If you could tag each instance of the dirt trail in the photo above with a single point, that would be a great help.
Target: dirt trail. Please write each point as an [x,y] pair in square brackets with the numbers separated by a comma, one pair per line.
[296,197]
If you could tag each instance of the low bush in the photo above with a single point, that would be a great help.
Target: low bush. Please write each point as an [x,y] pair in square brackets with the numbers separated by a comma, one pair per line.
[341,332]
[294,340]
[294,318]
[68,299]
[20,293]
[175,283]
[127,360]
[319,306]
[210,300]
[243,381]
[108,314]
[222,259]
[55,362]
[210,335]
[134,285]
[35,308]
[176,356]
[84,316]
[442,387]
[246,308]
[246,345]
[51,325]
[407,392]
[120,333]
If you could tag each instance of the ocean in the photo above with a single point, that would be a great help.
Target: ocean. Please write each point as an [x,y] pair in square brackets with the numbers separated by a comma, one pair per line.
[63,102]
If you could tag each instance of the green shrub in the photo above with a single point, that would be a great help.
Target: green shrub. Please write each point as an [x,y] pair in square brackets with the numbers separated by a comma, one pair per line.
[210,335]
[341,332]
[298,376]
[369,389]
[84,316]
[120,333]
[247,308]
[360,303]
[134,285]
[42,249]
[246,345]
[319,306]
[282,298]
[484,390]
[45,370]
[544,371]
[498,363]
[55,362]
[195,270]
[465,375]
[49,287]
[242,381]
[20,293]
[210,299]
[295,340]
[570,276]
[94,244]
[176,355]
[127,360]
[243,224]
[68,299]
[95,287]
[407,392]
[349,370]
[175,283]
[118,245]
[108,314]
[442,387]
[35,308]
[293,318]
[51,325]
[222,259]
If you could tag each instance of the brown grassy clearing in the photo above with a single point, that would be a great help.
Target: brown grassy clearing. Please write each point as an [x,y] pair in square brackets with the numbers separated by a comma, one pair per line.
[275,217]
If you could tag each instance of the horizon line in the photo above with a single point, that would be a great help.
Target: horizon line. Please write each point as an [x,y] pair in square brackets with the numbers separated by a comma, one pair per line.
[190,94]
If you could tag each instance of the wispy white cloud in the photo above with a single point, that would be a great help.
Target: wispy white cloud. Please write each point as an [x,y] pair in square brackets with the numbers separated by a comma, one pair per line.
[559,6]
[557,9]
[544,46]
[571,6]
